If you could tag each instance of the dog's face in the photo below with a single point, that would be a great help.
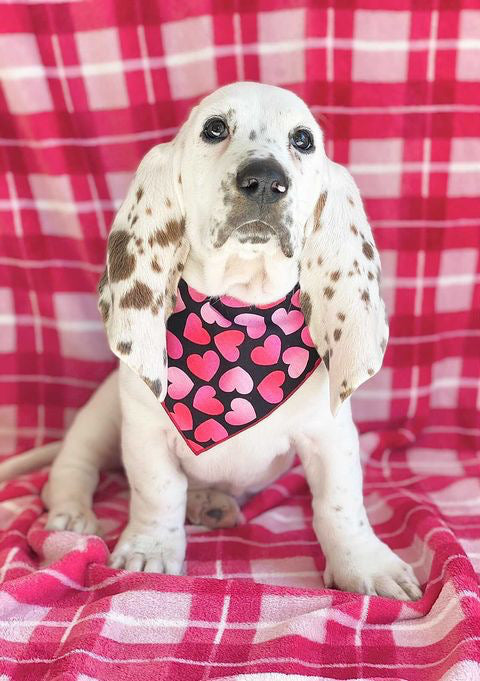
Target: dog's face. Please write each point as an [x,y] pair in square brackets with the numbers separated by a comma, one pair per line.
[246,176]
[250,161]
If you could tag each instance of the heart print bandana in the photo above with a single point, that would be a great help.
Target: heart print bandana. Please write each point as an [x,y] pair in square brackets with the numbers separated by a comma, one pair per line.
[231,364]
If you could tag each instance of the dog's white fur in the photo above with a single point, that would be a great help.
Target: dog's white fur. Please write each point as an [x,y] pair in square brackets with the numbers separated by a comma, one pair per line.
[325,230]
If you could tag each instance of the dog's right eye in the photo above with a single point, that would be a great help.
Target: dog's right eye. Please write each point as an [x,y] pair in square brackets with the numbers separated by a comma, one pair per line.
[215,130]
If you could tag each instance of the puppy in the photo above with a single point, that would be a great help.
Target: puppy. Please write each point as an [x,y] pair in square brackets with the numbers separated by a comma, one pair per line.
[241,210]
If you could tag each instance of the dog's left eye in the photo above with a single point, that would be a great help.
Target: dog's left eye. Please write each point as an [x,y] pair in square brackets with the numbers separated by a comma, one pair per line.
[215,130]
[302,139]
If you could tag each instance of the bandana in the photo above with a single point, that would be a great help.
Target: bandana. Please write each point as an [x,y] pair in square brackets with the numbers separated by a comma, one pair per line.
[231,364]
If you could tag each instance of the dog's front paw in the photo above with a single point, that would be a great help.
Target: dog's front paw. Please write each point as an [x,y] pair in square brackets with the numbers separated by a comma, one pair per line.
[150,550]
[372,570]
[72,517]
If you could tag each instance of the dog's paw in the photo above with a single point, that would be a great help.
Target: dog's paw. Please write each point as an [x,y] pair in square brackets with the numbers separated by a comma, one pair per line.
[373,570]
[147,550]
[74,518]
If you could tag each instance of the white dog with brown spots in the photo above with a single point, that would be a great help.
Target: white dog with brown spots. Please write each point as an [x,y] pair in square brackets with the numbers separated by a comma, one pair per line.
[244,203]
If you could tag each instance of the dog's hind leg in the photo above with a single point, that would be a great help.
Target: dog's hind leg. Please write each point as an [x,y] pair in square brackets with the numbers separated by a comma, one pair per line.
[92,444]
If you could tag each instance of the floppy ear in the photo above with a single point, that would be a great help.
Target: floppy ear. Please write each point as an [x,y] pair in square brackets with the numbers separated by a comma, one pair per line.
[340,286]
[147,248]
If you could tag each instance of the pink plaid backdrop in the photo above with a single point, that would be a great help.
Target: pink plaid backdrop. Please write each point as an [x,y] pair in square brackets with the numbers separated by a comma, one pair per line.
[86,89]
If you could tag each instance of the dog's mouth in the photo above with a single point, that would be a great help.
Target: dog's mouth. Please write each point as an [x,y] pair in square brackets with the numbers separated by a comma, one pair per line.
[258,232]
[254,232]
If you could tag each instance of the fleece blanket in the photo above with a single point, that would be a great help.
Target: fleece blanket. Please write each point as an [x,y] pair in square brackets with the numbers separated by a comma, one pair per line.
[86,89]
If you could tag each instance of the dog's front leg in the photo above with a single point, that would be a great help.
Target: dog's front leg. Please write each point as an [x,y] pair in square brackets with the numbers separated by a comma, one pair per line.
[356,560]
[154,539]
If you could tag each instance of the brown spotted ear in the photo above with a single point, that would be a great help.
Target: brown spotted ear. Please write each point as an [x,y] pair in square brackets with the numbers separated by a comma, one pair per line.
[147,249]
[339,282]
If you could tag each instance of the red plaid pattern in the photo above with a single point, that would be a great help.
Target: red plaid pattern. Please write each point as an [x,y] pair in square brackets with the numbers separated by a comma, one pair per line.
[86,90]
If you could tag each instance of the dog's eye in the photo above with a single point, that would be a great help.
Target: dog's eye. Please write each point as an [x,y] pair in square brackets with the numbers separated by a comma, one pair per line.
[215,130]
[302,139]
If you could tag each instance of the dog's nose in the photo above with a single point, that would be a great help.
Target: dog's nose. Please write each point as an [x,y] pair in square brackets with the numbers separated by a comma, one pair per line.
[262,180]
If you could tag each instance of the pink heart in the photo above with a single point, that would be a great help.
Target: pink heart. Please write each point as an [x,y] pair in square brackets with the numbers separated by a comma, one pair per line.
[195,295]
[210,430]
[296,298]
[179,304]
[270,388]
[227,342]
[194,330]
[266,306]
[297,359]
[306,337]
[205,401]
[254,323]
[174,346]
[242,412]
[213,316]
[182,416]
[268,353]
[236,379]
[180,383]
[204,367]
[288,321]
[232,302]
[194,446]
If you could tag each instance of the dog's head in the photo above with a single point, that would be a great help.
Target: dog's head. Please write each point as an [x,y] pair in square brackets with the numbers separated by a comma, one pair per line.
[247,175]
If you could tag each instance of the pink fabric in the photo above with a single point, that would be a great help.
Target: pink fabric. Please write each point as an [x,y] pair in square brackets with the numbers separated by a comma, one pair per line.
[86,89]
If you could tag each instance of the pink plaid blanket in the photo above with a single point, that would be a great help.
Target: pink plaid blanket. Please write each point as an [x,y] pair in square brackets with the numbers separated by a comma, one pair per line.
[86,89]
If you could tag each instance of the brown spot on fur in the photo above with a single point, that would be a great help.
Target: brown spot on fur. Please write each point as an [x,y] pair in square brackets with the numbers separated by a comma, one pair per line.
[139,242]
[252,136]
[105,310]
[326,360]
[350,200]
[140,296]
[139,194]
[345,394]
[168,203]
[354,229]
[309,264]
[370,372]
[336,334]
[155,266]
[171,234]
[365,296]
[344,384]
[125,348]
[371,276]
[320,205]
[148,210]
[383,344]
[155,386]
[341,316]
[350,274]
[306,305]
[335,276]
[367,250]
[134,220]
[180,266]
[328,292]
[179,179]
[319,261]
[121,263]
[103,281]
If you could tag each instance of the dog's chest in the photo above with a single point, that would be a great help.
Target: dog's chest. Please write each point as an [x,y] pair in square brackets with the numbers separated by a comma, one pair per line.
[231,365]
